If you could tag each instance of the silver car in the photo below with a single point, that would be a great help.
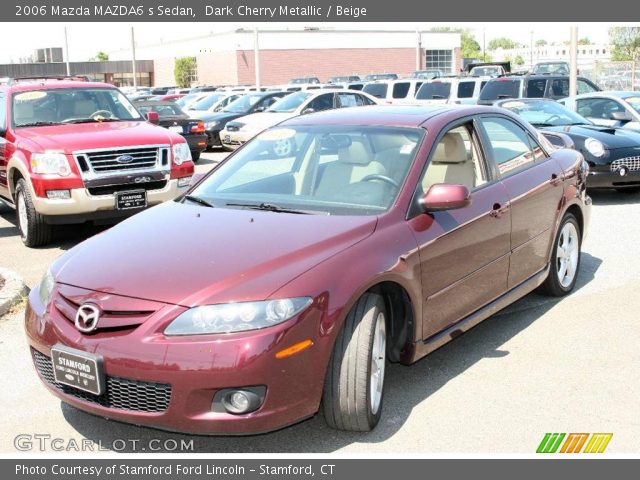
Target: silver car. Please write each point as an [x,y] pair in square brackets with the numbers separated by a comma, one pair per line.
[609,109]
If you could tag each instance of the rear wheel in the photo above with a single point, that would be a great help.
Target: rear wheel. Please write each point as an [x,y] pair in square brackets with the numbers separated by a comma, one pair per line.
[354,385]
[34,231]
[195,156]
[565,260]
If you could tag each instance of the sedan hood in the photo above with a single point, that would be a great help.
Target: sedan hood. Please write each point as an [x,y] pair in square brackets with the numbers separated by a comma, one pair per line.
[84,136]
[263,120]
[610,137]
[191,255]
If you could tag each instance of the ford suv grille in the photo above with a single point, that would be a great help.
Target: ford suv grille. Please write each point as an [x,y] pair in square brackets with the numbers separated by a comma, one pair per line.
[121,160]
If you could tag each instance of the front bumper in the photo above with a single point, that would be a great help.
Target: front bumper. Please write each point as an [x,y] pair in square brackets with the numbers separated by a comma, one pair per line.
[192,368]
[84,206]
[601,178]
[235,139]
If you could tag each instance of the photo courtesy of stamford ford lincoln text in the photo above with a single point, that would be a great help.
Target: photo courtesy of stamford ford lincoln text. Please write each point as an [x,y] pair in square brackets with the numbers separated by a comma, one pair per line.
[337,239]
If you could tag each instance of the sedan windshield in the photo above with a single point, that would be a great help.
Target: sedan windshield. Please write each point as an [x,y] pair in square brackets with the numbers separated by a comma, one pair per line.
[543,113]
[71,105]
[207,102]
[330,170]
[290,103]
[634,102]
[242,104]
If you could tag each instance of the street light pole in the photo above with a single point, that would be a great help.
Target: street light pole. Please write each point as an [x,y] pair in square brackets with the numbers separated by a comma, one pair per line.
[573,65]
[484,45]
[133,58]
[66,50]
[256,57]
[531,52]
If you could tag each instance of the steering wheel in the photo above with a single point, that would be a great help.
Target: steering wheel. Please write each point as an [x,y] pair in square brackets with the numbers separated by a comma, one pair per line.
[383,178]
[108,115]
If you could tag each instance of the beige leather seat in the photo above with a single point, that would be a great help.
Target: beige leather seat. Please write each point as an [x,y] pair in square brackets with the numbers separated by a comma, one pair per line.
[450,163]
[354,163]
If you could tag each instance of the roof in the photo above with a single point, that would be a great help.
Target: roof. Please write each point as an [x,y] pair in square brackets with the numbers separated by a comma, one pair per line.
[25,86]
[399,116]
[610,93]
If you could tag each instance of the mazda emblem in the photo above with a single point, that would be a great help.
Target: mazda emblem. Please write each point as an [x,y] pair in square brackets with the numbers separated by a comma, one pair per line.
[87,318]
[124,159]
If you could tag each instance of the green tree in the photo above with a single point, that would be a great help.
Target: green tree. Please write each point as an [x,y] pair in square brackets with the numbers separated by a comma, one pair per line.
[541,43]
[469,47]
[584,41]
[626,43]
[183,71]
[101,57]
[519,61]
[502,42]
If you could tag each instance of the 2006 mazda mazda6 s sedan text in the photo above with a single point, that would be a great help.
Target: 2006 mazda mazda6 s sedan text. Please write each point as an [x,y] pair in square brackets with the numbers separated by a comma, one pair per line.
[284,281]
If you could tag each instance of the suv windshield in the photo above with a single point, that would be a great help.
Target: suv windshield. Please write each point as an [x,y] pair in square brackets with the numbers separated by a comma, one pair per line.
[243,104]
[561,68]
[71,105]
[544,113]
[434,90]
[290,102]
[322,169]
[502,88]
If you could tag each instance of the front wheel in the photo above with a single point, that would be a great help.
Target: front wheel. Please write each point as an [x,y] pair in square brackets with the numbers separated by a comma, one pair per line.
[34,231]
[354,385]
[565,260]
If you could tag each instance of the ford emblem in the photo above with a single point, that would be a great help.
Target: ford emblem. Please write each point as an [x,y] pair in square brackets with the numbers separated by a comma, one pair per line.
[124,159]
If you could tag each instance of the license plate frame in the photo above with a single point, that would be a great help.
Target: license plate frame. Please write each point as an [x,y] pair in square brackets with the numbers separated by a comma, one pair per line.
[78,369]
[131,199]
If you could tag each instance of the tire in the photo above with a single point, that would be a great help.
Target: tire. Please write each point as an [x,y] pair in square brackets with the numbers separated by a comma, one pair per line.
[353,393]
[569,261]
[34,231]
[628,191]
[195,156]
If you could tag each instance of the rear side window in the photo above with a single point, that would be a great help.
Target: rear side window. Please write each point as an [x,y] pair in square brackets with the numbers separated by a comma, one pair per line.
[350,99]
[498,89]
[378,90]
[536,88]
[559,88]
[465,89]
[434,91]
[3,111]
[401,90]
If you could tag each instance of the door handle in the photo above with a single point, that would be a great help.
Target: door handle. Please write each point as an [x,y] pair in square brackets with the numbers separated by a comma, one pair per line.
[498,210]
[556,179]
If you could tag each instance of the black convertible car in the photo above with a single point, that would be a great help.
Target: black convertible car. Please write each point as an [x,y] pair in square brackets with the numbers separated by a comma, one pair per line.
[613,154]
[174,119]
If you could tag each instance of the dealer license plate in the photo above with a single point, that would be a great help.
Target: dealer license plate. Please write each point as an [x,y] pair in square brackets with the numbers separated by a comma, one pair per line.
[78,369]
[129,200]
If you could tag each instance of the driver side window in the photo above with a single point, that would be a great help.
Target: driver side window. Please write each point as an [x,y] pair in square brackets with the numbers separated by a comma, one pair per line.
[456,160]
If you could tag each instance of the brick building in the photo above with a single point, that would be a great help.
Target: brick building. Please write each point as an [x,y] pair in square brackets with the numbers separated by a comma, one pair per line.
[227,58]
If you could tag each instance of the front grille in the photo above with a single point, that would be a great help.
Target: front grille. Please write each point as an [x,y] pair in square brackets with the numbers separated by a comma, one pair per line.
[632,163]
[111,189]
[121,393]
[106,161]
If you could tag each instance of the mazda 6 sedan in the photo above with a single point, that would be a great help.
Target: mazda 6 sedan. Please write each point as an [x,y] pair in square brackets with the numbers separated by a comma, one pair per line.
[284,281]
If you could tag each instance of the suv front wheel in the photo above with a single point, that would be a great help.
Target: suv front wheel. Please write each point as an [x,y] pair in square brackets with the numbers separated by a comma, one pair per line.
[34,231]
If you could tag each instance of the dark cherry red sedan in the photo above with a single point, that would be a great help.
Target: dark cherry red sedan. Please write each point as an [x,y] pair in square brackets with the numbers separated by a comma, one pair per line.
[284,281]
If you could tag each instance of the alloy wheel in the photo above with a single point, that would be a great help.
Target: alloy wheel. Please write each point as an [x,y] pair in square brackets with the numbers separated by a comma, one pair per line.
[378,357]
[567,254]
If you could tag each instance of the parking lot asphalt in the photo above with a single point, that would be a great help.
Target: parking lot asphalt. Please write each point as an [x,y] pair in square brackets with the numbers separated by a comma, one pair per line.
[541,365]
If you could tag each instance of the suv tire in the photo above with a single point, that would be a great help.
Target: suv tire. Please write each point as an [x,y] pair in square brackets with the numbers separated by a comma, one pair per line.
[34,231]
[354,384]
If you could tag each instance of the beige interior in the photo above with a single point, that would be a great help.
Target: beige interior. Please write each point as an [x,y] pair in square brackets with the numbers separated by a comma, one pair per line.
[453,162]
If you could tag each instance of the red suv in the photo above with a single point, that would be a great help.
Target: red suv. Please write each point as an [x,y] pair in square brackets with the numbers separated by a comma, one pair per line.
[74,151]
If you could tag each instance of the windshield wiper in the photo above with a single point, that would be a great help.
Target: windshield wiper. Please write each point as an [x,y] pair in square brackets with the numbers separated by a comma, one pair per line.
[199,201]
[38,124]
[270,207]
[93,120]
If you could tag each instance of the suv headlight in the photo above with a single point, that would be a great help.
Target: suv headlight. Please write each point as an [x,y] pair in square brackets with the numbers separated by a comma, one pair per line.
[594,147]
[45,288]
[181,153]
[236,317]
[50,164]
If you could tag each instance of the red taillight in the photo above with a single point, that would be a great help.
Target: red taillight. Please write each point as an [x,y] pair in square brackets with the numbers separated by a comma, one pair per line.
[198,128]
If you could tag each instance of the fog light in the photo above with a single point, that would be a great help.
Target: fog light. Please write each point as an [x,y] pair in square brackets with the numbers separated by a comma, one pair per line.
[238,401]
[184,182]
[622,171]
[58,194]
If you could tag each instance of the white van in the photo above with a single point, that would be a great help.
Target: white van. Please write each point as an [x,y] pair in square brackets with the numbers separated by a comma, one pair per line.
[400,91]
[463,90]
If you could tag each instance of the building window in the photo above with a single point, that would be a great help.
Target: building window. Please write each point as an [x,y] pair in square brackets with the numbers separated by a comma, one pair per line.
[126,79]
[440,60]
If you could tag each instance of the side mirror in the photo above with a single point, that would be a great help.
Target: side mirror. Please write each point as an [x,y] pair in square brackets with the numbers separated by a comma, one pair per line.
[153,117]
[308,110]
[621,116]
[558,140]
[3,132]
[445,196]
[195,178]
[260,109]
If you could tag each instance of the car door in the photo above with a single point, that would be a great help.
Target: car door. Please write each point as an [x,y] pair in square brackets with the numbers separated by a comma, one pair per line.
[533,183]
[464,253]
[4,188]
[600,110]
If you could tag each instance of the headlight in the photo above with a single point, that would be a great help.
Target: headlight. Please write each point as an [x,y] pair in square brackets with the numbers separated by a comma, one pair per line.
[236,317]
[210,125]
[50,164]
[181,153]
[595,147]
[45,288]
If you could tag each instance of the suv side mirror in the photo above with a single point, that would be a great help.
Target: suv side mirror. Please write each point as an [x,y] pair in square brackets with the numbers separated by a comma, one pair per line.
[621,116]
[445,196]
[153,117]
